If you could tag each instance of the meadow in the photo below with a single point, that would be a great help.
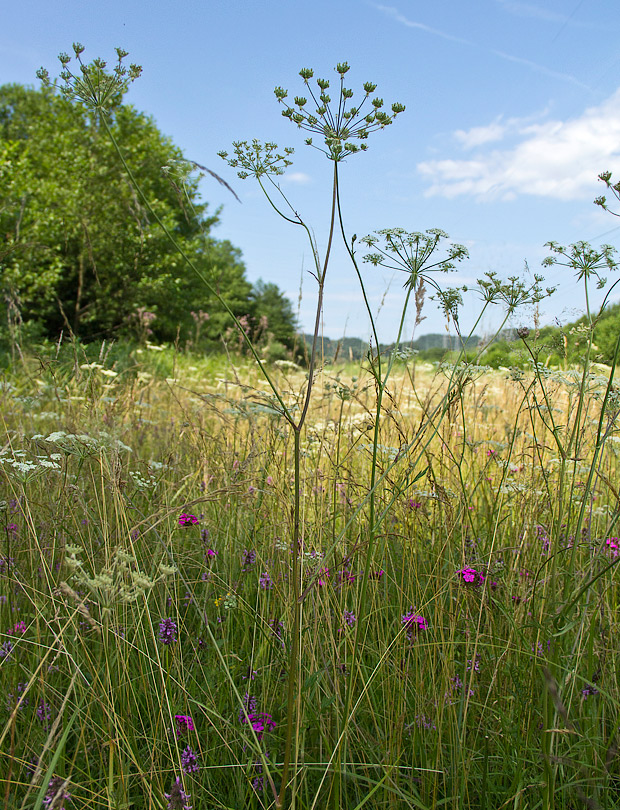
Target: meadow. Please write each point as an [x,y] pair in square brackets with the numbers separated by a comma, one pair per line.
[230,581]
[456,630]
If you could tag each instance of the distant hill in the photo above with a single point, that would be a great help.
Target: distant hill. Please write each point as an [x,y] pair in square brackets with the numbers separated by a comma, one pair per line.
[352,348]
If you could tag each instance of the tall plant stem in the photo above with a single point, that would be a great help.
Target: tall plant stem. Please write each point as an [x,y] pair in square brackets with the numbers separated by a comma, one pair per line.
[292,684]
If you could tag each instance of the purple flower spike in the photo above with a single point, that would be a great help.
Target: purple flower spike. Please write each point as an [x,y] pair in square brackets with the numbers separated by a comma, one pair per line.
[167,631]
[178,798]
[56,794]
[189,761]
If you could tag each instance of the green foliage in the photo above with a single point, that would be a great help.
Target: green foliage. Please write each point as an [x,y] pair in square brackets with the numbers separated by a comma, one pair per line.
[81,253]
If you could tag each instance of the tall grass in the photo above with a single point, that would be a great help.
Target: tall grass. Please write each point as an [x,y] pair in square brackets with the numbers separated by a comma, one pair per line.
[505,695]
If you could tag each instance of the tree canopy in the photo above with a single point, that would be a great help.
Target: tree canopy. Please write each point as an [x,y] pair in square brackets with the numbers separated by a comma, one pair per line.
[77,249]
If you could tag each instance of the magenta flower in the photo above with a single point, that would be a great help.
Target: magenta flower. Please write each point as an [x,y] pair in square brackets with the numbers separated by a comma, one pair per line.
[184,723]
[211,553]
[261,723]
[414,624]
[414,621]
[20,627]
[187,520]
[471,577]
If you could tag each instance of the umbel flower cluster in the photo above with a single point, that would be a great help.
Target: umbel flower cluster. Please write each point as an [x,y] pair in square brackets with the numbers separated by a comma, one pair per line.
[339,126]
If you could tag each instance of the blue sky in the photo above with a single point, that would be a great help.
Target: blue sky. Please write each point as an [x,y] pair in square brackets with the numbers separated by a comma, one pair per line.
[512,110]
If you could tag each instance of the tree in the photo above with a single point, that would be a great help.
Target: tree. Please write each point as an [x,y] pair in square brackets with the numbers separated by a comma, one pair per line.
[273,316]
[78,250]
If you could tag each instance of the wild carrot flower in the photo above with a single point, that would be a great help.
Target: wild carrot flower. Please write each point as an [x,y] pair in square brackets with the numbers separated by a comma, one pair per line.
[178,798]
[189,761]
[187,520]
[167,631]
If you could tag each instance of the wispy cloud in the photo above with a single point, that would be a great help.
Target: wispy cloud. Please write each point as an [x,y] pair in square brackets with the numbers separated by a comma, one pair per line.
[555,74]
[530,10]
[557,159]
[396,15]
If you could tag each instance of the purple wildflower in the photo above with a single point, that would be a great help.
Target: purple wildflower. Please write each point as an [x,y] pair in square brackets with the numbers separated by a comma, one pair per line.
[189,761]
[20,627]
[56,794]
[249,558]
[411,619]
[349,617]
[414,624]
[13,698]
[422,721]
[6,649]
[471,577]
[178,798]
[261,723]
[167,631]
[456,684]
[187,520]
[44,713]
[265,581]
[184,724]
[249,704]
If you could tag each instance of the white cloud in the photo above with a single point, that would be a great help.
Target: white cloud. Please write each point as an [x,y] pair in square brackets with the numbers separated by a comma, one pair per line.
[476,136]
[558,159]
[300,178]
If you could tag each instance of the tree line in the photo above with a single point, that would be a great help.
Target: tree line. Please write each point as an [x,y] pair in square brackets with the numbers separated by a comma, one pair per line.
[78,253]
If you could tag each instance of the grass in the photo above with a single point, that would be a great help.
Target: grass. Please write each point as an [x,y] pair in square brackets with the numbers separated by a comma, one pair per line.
[480,671]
